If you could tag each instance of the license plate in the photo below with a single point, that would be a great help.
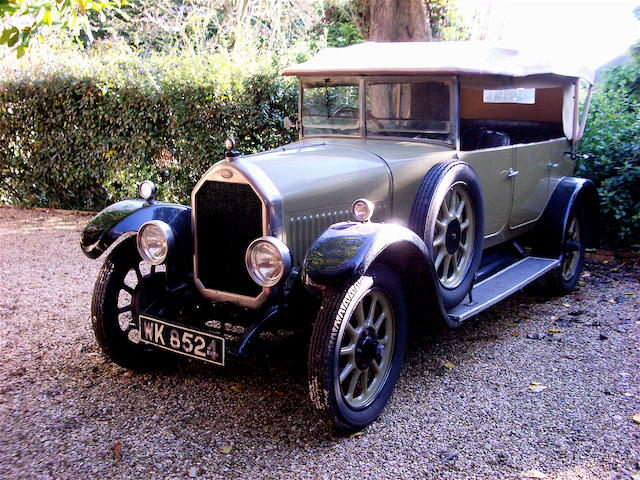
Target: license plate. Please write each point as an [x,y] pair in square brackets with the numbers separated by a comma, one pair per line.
[185,341]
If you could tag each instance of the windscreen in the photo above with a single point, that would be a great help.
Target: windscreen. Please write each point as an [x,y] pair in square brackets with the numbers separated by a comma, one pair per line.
[330,108]
[419,110]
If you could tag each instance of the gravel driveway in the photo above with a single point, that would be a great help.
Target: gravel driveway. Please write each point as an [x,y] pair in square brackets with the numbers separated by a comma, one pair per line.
[470,402]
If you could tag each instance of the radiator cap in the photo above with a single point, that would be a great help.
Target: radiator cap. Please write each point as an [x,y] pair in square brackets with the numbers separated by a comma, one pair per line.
[230,154]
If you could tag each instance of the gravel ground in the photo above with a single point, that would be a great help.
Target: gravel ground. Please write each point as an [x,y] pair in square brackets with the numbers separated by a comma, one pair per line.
[463,407]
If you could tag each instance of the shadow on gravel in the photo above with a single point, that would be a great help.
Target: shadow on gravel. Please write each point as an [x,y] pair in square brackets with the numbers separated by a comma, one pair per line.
[265,396]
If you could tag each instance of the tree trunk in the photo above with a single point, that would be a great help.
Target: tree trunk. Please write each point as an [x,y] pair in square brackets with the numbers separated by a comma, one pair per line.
[398,21]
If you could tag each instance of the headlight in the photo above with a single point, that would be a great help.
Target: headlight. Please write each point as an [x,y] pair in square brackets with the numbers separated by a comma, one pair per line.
[147,189]
[268,261]
[362,209]
[155,241]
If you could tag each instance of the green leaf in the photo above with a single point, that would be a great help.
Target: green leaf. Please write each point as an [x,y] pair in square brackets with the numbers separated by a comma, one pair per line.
[13,39]
[6,34]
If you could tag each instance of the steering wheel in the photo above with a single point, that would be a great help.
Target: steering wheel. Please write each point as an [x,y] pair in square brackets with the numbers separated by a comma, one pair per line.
[345,112]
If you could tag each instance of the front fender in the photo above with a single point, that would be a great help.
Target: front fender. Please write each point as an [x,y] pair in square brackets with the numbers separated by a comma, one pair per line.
[346,250]
[128,216]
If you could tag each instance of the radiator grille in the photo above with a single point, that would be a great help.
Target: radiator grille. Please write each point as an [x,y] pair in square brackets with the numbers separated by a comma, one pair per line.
[228,218]
[305,229]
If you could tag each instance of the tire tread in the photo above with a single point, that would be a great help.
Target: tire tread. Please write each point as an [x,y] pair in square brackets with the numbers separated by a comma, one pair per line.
[324,335]
[114,346]
[419,219]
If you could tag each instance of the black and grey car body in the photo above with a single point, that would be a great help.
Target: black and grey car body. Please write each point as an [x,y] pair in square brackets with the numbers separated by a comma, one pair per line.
[460,200]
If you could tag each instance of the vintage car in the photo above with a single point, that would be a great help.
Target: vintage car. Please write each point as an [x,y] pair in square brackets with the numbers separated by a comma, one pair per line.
[430,181]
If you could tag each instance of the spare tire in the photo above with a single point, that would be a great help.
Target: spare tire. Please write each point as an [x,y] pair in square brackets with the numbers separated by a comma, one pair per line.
[448,214]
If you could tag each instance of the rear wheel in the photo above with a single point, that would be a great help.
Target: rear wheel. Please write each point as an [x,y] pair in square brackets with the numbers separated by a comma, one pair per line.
[563,280]
[357,350]
[126,286]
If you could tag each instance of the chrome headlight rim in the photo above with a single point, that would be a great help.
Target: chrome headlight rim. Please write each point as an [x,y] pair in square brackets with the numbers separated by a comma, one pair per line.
[362,210]
[169,239]
[284,258]
[147,189]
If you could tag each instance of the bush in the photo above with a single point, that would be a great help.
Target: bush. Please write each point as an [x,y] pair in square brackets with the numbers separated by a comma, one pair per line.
[612,160]
[610,155]
[83,134]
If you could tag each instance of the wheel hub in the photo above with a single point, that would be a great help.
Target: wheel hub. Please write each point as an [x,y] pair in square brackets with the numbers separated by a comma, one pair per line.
[452,236]
[368,348]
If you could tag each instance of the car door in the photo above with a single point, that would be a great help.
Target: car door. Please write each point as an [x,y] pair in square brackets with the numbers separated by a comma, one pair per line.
[530,175]
[492,165]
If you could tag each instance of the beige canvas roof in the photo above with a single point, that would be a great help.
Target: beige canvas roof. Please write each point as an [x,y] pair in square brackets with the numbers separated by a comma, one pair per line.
[373,58]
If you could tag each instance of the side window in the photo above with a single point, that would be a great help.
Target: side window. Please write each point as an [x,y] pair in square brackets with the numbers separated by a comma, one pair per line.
[330,109]
[409,110]
[496,117]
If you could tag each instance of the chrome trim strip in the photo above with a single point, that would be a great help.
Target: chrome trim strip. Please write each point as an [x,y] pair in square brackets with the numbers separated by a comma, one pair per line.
[242,172]
[299,122]
[387,138]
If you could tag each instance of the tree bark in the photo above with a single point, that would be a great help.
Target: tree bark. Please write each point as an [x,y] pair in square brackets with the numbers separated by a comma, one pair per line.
[398,21]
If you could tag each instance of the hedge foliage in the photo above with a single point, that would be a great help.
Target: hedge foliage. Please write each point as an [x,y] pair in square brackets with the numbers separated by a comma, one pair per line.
[84,139]
[610,154]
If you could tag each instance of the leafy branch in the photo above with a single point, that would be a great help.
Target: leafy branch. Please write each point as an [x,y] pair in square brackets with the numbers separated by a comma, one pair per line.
[23,20]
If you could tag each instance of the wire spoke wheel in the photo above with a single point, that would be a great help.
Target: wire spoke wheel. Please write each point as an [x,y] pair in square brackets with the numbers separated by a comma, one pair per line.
[357,349]
[564,279]
[125,287]
[572,247]
[448,214]
[366,349]
[454,236]
[127,294]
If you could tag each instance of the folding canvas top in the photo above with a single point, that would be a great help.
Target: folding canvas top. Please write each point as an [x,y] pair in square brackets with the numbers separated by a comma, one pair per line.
[447,58]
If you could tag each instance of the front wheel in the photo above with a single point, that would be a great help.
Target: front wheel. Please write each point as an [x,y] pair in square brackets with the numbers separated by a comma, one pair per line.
[126,286]
[357,350]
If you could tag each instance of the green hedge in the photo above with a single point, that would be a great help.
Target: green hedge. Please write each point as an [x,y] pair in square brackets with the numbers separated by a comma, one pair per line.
[611,152]
[84,139]
[611,158]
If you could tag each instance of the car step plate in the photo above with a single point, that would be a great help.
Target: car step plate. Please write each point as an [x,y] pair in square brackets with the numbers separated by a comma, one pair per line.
[502,284]
[182,340]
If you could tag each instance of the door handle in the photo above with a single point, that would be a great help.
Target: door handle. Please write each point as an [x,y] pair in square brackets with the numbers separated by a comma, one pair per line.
[511,173]
[552,165]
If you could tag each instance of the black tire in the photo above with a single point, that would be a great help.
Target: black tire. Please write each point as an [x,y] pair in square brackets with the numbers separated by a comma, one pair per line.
[327,360]
[115,326]
[443,179]
[564,279]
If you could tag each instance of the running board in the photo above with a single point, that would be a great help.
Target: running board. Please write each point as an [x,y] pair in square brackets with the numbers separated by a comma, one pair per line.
[502,284]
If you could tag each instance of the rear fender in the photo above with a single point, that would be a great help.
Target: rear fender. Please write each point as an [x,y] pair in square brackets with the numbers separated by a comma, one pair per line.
[128,216]
[345,252]
[547,236]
